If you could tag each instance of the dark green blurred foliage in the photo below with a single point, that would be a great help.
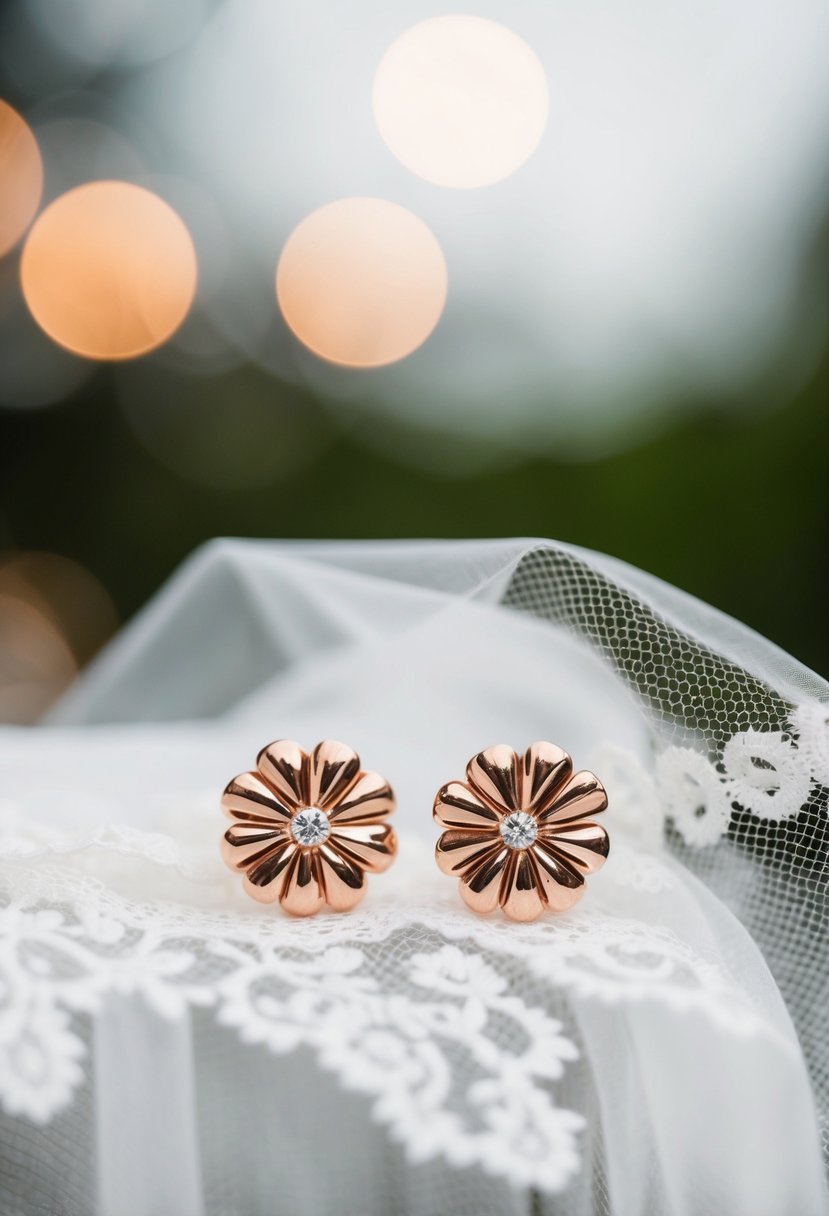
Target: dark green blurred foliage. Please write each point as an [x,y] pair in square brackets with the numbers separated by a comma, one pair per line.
[730,506]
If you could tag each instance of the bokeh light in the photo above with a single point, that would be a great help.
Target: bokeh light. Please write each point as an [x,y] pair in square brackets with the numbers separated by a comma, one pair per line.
[361,282]
[461,101]
[54,615]
[109,270]
[35,662]
[589,289]
[21,177]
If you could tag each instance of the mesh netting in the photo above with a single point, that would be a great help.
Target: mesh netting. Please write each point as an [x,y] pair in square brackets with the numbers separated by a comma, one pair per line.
[692,694]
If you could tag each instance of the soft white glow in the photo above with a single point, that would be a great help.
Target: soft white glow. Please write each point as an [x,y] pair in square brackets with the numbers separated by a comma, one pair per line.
[361,282]
[461,101]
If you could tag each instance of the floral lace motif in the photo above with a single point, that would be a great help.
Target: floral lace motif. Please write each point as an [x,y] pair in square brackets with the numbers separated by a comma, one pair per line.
[411,1000]
[409,1003]
[770,775]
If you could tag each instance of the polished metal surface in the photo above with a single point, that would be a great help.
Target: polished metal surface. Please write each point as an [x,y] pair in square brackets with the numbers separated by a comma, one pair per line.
[278,807]
[517,833]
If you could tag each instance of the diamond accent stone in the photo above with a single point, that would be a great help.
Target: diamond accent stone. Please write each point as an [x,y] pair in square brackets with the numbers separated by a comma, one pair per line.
[519,830]
[310,826]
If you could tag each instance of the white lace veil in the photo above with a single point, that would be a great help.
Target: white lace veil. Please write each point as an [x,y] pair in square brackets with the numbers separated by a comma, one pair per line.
[168,1047]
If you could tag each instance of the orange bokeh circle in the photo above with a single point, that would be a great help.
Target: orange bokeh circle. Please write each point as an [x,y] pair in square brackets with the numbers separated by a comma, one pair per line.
[361,282]
[109,270]
[21,177]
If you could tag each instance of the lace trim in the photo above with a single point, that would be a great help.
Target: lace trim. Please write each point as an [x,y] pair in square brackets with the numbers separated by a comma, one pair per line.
[770,775]
[457,1065]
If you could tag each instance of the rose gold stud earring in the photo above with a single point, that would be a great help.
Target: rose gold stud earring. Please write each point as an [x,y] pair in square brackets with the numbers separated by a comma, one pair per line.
[517,833]
[306,828]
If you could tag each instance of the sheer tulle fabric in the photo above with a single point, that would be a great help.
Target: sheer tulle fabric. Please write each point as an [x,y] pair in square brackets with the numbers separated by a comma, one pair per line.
[171,1046]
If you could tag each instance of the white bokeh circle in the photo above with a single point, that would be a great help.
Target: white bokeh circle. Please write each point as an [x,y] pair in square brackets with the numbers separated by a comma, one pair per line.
[461,101]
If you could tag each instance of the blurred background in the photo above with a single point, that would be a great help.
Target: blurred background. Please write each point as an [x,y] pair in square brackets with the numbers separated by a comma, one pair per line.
[370,270]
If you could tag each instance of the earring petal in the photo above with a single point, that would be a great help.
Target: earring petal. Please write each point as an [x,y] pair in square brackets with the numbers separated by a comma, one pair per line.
[249,800]
[456,851]
[302,894]
[582,796]
[480,888]
[265,880]
[343,882]
[584,845]
[545,768]
[372,846]
[284,766]
[458,806]
[495,773]
[334,767]
[561,884]
[369,800]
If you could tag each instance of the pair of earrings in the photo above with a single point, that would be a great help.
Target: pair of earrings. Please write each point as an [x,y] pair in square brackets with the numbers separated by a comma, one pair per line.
[308,827]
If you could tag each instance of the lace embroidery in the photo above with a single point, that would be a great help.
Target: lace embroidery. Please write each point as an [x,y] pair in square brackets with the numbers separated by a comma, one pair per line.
[767,774]
[441,1022]
[810,723]
[410,1051]
[695,797]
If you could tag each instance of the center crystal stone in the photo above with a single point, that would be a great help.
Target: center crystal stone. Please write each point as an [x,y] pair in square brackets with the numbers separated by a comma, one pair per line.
[310,826]
[519,830]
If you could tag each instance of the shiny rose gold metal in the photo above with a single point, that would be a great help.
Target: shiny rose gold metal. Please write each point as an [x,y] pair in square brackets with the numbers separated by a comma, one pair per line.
[517,834]
[307,827]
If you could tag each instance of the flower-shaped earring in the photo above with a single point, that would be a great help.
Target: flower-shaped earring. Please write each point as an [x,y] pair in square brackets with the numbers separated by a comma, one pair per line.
[306,828]
[517,833]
